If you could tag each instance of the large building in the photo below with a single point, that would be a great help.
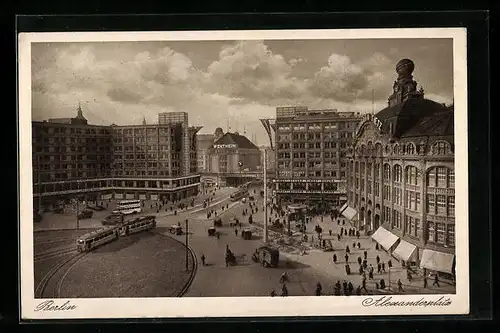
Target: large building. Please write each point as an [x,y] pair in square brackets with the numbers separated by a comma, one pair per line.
[233,153]
[205,142]
[71,157]
[401,181]
[311,163]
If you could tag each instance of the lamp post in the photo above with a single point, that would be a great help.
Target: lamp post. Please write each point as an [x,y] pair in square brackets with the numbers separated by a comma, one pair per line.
[265,197]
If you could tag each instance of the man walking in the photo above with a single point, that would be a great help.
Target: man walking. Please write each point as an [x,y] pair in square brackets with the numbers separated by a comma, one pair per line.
[436,281]
[346,258]
[400,286]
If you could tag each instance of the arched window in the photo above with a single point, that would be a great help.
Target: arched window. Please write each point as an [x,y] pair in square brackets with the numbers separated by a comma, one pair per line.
[410,149]
[351,166]
[376,171]
[396,149]
[441,148]
[370,148]
[387,173]
[440,177]
[378,149]
[412,176]
[357,167]
[398,173]
[363,150]
[387,149]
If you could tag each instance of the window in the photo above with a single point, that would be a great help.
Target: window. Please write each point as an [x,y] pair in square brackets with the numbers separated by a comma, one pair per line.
[410,149]
[376,189]
[451,206]
[386,192]
[441,148]
[441,176]
[441,204]
[387,214]
[451,178]
[398,173]
[440,233]
[431,232]
[387,173]
[431,208]
[412,176]
[450,234]
[431,178]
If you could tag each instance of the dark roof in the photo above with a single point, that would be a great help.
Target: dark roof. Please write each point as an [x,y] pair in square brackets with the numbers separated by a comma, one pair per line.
[240,141]
[417,117]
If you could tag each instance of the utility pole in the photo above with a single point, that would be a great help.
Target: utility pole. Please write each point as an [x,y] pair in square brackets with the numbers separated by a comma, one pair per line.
[77,214]
[265,197]
[39,184]
[187,245]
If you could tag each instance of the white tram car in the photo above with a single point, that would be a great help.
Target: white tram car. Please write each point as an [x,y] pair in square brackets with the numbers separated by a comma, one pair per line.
[96,238]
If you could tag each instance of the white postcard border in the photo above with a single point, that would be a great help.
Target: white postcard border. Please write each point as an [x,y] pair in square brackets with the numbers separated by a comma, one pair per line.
[244,306]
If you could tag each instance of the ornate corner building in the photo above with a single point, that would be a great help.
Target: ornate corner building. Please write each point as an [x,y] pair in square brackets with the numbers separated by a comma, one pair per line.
[401,181]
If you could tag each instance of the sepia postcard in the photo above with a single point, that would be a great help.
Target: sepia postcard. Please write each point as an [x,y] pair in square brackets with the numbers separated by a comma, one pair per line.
[243,173]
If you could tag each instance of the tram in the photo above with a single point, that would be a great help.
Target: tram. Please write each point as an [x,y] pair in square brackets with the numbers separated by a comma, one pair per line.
[94,239]
[137,225]
[240,194]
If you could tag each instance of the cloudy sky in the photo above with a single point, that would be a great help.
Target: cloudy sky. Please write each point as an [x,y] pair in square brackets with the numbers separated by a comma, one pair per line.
[223,82]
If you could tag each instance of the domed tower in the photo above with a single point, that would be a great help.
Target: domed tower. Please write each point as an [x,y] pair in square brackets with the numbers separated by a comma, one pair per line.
[404,87]
[218,133]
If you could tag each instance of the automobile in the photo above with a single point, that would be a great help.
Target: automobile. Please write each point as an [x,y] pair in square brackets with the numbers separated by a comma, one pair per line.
[267,256]
[218,222]
[246,234]
[86,214]
[211,231]
[175,229]
[113,218]
[96,208]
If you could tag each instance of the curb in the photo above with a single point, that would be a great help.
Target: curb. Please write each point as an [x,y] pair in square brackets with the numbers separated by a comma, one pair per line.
[194,267]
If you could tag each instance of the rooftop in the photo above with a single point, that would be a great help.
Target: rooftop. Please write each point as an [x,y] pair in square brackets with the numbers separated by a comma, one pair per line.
[239,140]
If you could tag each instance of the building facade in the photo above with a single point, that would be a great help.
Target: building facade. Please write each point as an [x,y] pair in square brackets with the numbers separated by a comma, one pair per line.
[71,157]
[234,153]
[205,141]
[401,182]
[311,162]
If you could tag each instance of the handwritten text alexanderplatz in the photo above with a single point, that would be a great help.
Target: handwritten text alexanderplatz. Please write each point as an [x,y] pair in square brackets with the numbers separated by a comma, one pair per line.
[387,301]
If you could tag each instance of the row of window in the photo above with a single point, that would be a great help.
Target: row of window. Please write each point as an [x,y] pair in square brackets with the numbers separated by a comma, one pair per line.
[71,130]
[440,205]
[438,148]
[307,186]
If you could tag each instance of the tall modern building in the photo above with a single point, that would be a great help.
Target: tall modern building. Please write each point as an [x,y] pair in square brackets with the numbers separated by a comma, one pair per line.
[71,157]
[205,142]
[311,147]
[401,181]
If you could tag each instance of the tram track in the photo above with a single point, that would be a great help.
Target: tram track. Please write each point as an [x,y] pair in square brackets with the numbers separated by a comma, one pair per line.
[50,254]
[50,285]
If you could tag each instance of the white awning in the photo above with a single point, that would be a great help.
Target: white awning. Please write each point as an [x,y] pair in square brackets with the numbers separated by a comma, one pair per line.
[437,261]
[129,196]
[343,208]
[404,250]
[385,238]
[119,196]
[106,196]
[349,213]
[142,196]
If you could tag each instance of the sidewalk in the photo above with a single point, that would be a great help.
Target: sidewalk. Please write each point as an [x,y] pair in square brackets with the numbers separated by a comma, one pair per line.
[324,261]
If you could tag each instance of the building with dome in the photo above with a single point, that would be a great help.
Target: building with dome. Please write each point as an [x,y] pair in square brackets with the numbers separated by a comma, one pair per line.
[401,180]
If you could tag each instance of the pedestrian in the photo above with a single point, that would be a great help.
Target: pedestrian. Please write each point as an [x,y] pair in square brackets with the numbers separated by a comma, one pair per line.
[203,259]
[382,284]
[273,293]
[379,268]
[319,288]
[347,269]
[358,234]
[376,285]
[370,275]
[436,281]
[338,221]
[284,290]
[389,264]
[343,221]
[400,286]
[354,246]
[359,261]
[376,246]
[383,267]
[346,258]
[344,287]
[350,288]
[361,271]
[338,237]
[334,258]
[218,235]
[359,245]
[235,232]
[330,232]
[347,250]
[365,254]
[425,282]
[365,264]
[358,291]
[363,284]
[408,275]
[341,231]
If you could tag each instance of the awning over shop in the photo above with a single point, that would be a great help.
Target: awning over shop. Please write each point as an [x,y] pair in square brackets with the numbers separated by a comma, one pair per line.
[404,250]
[437,261]
[385,238]
[106,196]
[349,213]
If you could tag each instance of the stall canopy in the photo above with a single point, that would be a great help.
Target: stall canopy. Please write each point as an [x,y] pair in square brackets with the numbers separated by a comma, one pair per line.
[437,261]
[349,213]
[343,207]
[385,238]
[404,250]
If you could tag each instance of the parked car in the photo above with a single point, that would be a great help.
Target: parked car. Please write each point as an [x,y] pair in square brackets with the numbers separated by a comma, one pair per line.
[267,256]
[113,218]
[86,214]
